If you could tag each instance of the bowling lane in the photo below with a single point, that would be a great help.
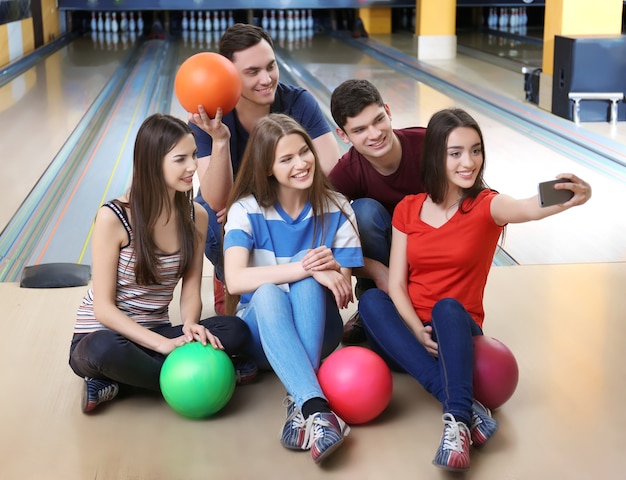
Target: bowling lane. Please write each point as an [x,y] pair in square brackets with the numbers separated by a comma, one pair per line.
[517,161]
[41,107]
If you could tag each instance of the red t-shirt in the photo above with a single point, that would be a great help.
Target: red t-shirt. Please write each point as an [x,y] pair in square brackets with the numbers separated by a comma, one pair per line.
[451,261]
[355,177]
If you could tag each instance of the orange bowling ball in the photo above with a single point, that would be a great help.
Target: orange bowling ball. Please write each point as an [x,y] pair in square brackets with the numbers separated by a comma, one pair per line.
[210,80]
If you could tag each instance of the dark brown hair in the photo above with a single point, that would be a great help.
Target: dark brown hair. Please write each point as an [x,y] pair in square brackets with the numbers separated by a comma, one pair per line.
[147,196]
[434,178]
[351,98]
[240,36]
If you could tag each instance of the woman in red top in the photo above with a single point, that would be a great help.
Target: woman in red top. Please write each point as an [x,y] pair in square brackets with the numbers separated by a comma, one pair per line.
[443,243]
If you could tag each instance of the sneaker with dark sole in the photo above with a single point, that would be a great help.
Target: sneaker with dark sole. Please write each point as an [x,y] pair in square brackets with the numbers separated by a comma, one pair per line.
[96,391]
[453,453]
[353,331]
[483,425]
[294,433]
[326,433]
[246,371]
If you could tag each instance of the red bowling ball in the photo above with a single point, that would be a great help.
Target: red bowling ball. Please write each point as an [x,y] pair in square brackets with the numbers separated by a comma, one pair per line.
[357,383]
[495,372]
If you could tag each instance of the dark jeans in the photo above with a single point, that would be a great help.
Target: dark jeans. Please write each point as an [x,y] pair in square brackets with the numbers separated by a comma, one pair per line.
[213,248]
[374,223]
[449,377]
[107,354]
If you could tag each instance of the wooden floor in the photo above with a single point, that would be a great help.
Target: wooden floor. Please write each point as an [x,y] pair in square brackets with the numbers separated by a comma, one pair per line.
[564,323]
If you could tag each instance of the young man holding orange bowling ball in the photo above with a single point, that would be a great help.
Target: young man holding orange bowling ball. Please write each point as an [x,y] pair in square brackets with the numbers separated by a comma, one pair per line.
[222,140]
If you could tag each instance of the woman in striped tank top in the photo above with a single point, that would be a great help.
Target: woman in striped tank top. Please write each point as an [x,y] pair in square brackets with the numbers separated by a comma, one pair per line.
[143,244]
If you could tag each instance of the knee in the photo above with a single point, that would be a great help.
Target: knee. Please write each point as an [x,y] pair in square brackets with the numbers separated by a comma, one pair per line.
[268,290]
[448,309]
[369,213]
[371,304]
[98,346]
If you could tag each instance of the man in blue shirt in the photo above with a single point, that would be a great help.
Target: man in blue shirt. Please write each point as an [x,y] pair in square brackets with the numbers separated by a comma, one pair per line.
[221,141]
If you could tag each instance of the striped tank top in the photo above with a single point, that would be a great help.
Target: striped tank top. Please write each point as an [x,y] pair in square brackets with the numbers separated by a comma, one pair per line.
[145,304]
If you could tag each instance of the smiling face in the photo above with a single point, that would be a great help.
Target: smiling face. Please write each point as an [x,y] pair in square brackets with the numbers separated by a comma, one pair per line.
[464,158]
[259,73]
[180,164]
[294,163]
[370,132]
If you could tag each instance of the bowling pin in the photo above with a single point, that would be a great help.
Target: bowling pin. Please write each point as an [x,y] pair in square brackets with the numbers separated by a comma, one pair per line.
[208,26]
[289,20]
[139,23]
[296,20]
[94,22]
[192,21]
[281,20]
[123,22]
[100,24]
[273,21]
[114,25]
[265,22]
[132,25]
[223,23]
[231,18]
[200,22]
[309,19]
[216,21]
[185,22]
[107,22]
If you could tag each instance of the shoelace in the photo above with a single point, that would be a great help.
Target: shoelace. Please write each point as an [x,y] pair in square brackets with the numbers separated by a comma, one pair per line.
[453,440]
[107,393]
[314,430]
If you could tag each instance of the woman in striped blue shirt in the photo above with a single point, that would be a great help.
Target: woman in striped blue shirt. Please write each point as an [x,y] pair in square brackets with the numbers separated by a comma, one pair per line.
[290,244]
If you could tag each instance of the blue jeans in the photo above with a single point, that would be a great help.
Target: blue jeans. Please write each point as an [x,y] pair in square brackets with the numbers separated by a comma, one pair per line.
[374,223]
[449,377]
[213,248]
[107,354]
[291,331]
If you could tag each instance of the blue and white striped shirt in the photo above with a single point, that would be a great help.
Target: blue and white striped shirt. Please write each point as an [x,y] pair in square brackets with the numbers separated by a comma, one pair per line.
[274,238]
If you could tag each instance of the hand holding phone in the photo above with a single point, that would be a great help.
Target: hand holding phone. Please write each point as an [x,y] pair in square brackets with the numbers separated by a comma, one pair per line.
[548,195]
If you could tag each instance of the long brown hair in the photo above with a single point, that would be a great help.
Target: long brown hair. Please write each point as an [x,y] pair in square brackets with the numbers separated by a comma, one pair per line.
[433,170]
[254,176]
[147,197]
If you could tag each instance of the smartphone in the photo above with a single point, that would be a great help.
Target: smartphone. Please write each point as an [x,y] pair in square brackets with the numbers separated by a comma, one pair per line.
[548,195]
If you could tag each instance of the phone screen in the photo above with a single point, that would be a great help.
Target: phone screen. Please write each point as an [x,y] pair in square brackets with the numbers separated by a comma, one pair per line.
[548,195]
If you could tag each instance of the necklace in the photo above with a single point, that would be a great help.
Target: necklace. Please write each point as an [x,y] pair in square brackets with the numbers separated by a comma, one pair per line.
[447,209]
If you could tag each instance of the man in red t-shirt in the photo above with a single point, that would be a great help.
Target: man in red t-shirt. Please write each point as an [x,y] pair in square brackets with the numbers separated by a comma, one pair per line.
[380,169]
